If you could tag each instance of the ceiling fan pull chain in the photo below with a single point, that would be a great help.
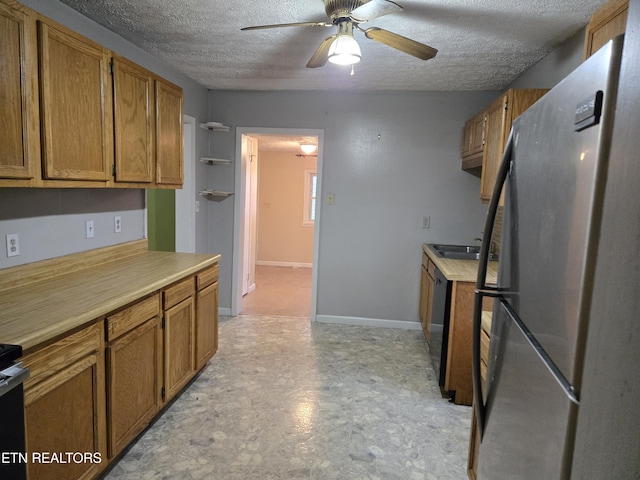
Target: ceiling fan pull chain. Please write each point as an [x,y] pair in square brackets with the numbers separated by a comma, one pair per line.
[353,70]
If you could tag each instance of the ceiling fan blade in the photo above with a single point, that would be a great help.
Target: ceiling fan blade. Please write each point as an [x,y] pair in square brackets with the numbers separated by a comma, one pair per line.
[279,25]
[321,55]
[404,44]
[374,9]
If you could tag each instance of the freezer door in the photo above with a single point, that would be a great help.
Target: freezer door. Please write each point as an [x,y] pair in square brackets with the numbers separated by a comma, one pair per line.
[530,419]
[553,200]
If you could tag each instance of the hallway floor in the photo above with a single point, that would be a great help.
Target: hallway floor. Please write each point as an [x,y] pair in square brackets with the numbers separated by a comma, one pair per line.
[282,291]
[288,399]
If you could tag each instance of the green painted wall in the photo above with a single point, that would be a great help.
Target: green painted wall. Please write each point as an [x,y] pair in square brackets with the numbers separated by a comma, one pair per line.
[161,220]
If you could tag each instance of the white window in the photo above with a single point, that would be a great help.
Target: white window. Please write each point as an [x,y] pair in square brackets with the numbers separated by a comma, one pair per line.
[310,182]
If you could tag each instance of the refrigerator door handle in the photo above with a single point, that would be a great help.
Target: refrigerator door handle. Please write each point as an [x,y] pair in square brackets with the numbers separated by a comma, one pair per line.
[481,288]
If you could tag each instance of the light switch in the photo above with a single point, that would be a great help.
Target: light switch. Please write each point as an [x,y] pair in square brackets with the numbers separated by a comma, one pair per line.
[331,199]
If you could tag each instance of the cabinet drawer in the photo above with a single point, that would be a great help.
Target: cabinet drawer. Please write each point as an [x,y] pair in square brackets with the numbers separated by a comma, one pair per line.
[131,317]
[51,359]
[207,276]
[178,292]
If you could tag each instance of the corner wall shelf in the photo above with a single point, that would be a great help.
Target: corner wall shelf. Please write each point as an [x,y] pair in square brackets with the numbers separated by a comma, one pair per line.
[215,161]
[216,126]
[217,194]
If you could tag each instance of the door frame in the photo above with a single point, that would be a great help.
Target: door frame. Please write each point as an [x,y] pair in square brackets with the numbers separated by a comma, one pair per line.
[239,218]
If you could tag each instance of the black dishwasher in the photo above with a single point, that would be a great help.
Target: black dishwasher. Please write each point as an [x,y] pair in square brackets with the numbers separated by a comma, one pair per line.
[13,461]
[439,330]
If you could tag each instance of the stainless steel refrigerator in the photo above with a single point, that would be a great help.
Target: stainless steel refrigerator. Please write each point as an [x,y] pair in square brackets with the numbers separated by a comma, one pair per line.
[554,170]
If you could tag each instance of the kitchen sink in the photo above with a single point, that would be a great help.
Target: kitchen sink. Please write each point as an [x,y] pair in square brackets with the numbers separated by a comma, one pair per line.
[459,252]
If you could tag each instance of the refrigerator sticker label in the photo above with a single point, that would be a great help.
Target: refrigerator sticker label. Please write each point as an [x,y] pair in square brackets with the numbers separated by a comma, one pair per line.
[588,112]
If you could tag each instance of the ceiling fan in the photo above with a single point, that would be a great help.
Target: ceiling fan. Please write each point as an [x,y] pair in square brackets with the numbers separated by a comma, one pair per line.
[342,48]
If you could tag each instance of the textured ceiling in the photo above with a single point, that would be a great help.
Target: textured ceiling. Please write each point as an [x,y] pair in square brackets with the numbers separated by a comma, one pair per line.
[482,44]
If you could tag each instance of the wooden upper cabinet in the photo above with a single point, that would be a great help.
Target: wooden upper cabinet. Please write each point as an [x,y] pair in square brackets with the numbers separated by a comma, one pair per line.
[495,126]
[19,123]
[607,23]
[169,134]
[76,104]
[473,144]
[133,119]
[75,114]
[498,118]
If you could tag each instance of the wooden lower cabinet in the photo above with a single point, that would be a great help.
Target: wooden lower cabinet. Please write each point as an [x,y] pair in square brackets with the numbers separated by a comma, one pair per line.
[134,371]
[92,392]
[427,284]
[206,324]
[474,434]
[458,372]
[179,336]
[65,410]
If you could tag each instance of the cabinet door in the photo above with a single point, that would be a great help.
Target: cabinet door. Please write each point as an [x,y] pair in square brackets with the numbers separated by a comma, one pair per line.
[75,94]
[206,324]
[423,300]
[64,414]
[179,336]
[169,134]
[134,383]
[607,23]
[133,117]
[430,288]
[493,134]
[19,123]
[466,138]
[65,404]
[477,135]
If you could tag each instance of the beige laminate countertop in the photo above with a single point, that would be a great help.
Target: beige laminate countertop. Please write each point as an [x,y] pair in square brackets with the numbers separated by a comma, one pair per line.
[461,270]
[39,312]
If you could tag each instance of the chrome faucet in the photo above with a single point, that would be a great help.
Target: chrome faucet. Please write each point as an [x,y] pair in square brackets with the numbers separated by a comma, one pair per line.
[493,246]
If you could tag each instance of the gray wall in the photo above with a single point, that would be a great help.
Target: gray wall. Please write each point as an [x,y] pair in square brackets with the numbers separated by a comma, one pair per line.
[555,66]
[51,222]
[370,240]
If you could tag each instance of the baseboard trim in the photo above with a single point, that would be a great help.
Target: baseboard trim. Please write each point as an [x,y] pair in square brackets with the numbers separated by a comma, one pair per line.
[369,322]
[270,263]
[226,311]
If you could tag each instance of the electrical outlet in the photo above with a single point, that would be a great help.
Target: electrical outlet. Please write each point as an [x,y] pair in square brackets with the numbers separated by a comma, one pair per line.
[117,224]
[13,245]
[331,199]
[426,222]
[90,229]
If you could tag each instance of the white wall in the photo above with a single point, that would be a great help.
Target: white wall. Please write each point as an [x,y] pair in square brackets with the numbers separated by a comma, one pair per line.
[282,237]
[47,219]
[390,158]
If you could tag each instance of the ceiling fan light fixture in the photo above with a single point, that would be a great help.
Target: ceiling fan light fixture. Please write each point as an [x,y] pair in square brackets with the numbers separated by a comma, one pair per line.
[345,50]
[308,148]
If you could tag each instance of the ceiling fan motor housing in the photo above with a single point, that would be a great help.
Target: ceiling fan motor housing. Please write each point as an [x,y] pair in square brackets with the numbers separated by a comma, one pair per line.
[340,9]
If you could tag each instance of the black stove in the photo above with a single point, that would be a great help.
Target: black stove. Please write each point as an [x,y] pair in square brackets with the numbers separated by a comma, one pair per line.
[9,354]
[12,439]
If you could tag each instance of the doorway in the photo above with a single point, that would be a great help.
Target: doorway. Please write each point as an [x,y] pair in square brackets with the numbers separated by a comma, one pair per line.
[273,269]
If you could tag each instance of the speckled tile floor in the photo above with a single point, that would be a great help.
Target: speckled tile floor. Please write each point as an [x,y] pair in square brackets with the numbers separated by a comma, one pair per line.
[288,399]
